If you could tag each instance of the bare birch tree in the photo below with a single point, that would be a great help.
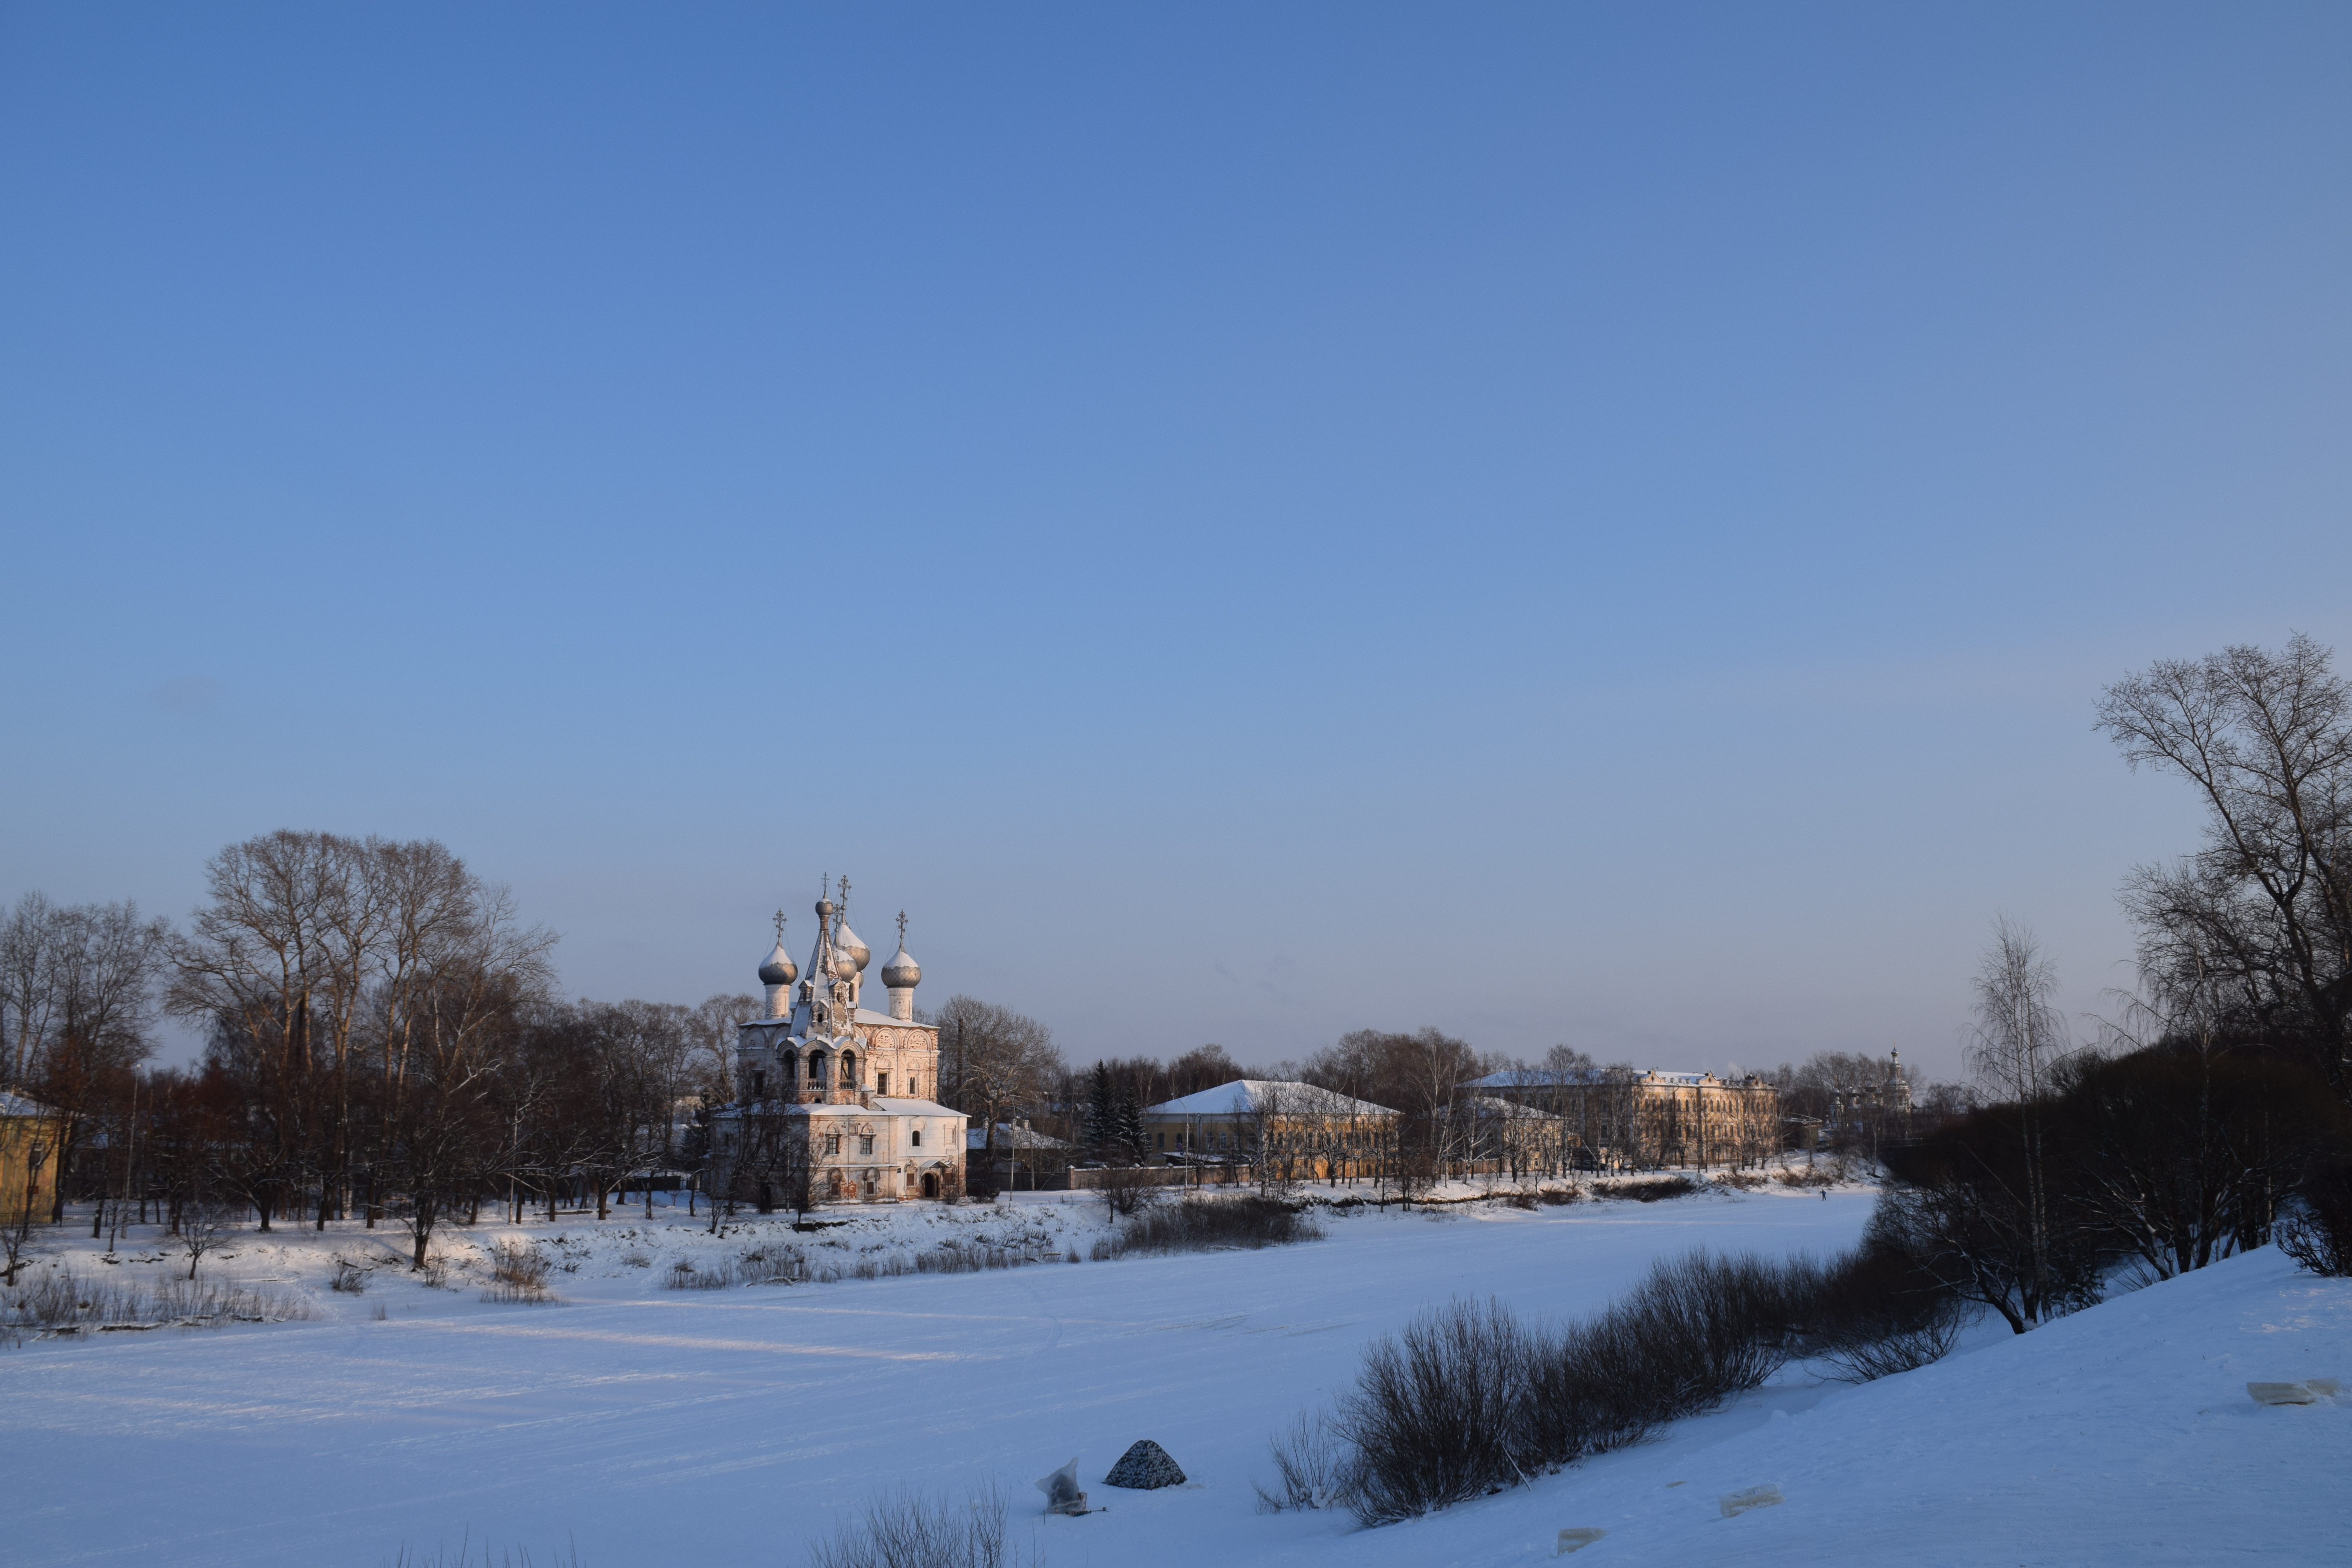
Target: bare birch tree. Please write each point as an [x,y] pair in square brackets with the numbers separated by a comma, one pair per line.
[2016,1042]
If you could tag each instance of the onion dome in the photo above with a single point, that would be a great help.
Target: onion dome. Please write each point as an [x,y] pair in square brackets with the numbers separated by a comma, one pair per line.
[902,972]
[846,940]
[778,970]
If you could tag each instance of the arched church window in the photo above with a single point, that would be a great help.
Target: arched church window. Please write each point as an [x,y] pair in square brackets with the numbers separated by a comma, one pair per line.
[759,1084]
[849,1069]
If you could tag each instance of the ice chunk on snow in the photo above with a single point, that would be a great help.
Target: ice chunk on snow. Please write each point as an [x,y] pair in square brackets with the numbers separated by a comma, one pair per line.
[1754,1497]
[2283,1393]
[1576,1540]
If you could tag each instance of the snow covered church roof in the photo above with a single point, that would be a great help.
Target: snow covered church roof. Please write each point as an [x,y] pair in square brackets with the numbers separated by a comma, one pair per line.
[1257,1097]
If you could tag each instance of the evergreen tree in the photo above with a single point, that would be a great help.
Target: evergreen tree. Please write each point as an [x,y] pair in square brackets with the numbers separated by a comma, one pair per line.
[1130,1130]
[1102,1116]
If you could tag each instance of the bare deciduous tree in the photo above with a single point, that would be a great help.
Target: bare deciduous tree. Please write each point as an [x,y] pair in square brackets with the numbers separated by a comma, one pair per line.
[79,985]
[2016,1042]
[993,1062]
[2262,915]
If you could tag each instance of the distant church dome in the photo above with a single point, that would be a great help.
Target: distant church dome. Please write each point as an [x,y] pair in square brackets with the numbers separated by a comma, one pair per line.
[778,970]
[902,972]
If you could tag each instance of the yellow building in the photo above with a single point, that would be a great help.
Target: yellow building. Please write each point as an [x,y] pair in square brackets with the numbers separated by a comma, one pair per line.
[1317,1134]
[30,1136]
[1649,1118]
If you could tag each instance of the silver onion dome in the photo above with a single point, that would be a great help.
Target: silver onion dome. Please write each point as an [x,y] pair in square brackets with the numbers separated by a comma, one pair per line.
[847,940]
[779,970]
[902,972]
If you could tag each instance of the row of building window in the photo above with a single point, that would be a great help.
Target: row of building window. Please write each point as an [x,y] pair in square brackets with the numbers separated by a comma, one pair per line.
[817,1076]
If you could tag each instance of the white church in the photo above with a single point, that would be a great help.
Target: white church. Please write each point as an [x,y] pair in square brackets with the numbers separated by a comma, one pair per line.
[832,1092]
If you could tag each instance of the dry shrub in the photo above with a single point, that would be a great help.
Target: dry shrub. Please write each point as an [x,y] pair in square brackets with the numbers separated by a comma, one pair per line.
[1649,1191]
[518,1275]
[767,1265]
[1553,1196]
[1314,1467]
[787,1265]
[1437,1414]
[1807,1177]
[1206,1224]
[349,1278]
[59,1301]
[1468,1400]
[1723,1325]
[1128,1190]
[907,1530]
[684,1276]
[2318,1234]
[464,1557]
[1879,1312]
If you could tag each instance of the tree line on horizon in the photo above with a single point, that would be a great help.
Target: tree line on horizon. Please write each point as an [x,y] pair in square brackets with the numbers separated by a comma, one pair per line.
[383,1036]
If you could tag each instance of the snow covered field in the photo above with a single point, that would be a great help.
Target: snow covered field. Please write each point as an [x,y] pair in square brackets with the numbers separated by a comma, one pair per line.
[649,1427]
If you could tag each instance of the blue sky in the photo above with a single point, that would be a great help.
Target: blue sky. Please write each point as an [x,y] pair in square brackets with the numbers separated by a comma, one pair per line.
[1578,523]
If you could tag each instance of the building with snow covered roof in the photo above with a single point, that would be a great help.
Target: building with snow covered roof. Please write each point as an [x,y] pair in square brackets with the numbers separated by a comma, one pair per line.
[1249,1119]
[833,1099]
[1614,1118]
[1016,1136]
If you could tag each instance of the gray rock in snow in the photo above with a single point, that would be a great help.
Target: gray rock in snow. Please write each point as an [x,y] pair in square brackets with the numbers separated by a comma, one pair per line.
[1144,1467]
